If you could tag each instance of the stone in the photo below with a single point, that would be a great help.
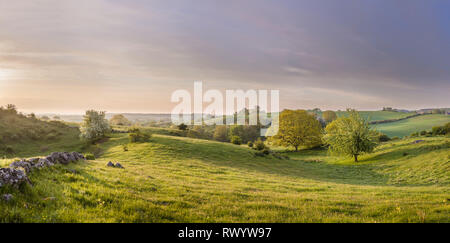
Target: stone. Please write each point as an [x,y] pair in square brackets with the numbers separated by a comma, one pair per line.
[13,177]
[110,164]
[55,157]
[7,197]
[118,165]
[22,164]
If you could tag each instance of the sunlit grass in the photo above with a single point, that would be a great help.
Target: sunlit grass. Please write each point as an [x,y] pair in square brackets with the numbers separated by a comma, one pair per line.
[175,179]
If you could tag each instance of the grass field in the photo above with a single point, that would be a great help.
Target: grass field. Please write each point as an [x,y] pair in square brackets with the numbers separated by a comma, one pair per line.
[411,125]
[176,179]
[378,115]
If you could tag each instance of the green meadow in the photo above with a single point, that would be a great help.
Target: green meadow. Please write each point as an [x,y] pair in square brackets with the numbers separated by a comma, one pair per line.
[177,179]
[378,115]
[411,125]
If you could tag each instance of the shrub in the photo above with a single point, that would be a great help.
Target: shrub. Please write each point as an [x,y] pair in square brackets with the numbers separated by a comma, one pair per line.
[259,145]
[383,138]
[236,140]
[423,133]
[139,137]
[414,134]
[182,127]
[266,151]
[250,144]
[89,156]
[395,138]
[125,148]
[439,130]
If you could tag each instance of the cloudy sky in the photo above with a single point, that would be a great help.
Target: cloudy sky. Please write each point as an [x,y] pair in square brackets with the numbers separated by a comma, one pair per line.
[118,56]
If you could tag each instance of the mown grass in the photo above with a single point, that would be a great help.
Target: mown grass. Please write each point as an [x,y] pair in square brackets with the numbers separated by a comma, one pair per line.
[411,125]
[176,179]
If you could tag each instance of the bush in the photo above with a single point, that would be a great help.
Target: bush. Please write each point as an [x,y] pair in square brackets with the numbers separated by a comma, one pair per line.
[414,134]
[139,137]
[383,138]
[236,140]
[423,133]
[259,145]
[125,148]
[182,127]
[250,144]
[266,151]
[89,156]
[395,138]
[440,130]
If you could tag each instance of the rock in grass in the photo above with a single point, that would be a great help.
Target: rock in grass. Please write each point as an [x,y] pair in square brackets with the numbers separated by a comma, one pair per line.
[7,197]
[118,165]
[13,177]
[110,164]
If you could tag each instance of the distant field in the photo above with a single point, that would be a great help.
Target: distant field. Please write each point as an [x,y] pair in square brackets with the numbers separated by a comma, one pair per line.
[411,125]
[378,115]
[176,179]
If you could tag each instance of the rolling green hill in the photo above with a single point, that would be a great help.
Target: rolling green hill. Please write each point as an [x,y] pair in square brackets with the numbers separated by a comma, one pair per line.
[411,125]
[176,179]
[378,115]
[22,135]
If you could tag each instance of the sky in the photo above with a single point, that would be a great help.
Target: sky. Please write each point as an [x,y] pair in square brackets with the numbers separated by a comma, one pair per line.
[129,56]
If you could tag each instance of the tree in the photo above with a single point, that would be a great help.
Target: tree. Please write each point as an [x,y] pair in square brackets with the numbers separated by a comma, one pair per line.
[329,116]
[245,132]
[298,128]
[436,111]
[119,120]
[221,133]
[350,136]
[11,108]
[94,126]
[45,118]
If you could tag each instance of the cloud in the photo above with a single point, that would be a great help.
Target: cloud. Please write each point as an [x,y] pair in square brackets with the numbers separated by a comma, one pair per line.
[362,53]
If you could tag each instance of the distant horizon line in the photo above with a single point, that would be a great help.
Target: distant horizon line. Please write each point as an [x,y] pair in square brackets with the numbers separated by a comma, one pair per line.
[168,113]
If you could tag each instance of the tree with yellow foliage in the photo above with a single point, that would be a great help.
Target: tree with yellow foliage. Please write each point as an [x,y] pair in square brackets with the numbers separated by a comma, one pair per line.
[298,128]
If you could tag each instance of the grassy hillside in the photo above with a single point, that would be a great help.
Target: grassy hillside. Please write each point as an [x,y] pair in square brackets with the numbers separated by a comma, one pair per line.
[24,136]
[175,179]
[378,115]
[415,124]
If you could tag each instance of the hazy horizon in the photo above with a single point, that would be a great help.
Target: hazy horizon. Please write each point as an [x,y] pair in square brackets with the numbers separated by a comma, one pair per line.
[129,56]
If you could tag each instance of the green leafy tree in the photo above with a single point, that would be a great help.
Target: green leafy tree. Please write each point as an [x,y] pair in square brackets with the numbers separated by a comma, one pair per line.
[329,116]
[119,120]
[94,126]
[350,136]
[221,133]
[298,128]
